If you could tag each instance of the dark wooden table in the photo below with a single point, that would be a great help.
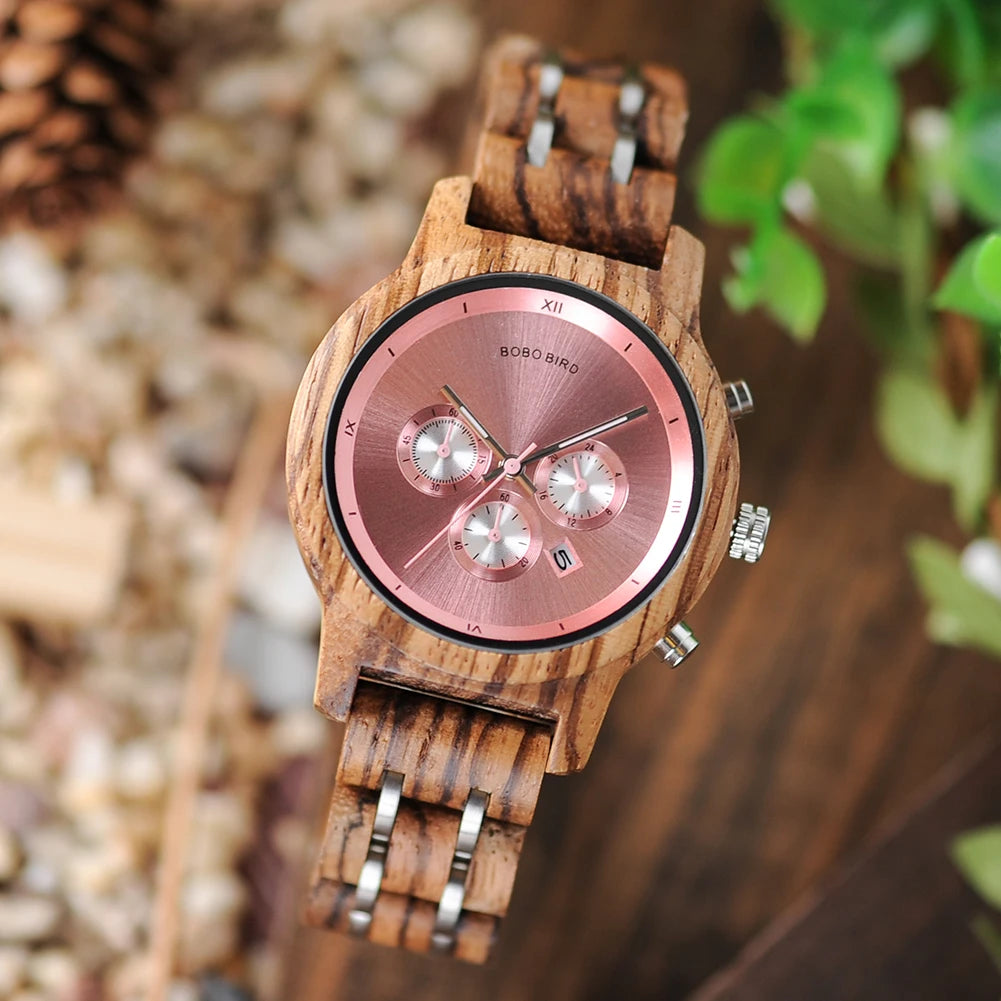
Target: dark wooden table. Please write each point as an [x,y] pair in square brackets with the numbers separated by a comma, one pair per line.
[896,925]
[718,794]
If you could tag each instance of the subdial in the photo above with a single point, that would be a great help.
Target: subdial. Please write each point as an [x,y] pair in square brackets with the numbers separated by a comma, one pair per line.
[585,488]
[437,451]
[498,539]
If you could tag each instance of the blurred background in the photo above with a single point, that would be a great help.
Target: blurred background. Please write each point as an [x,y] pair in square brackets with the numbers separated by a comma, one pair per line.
[191,192]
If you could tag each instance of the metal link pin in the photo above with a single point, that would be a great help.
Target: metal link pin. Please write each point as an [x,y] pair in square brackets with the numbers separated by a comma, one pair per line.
[632,97]
[450,905]
[370,879]
[540,139]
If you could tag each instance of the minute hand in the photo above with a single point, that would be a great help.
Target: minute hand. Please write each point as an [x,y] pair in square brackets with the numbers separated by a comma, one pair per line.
[576,439]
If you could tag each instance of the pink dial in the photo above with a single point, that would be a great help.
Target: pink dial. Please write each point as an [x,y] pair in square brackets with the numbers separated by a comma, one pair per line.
[500,399]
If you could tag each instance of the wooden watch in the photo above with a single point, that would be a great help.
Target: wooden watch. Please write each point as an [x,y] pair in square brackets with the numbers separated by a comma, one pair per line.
[512,469]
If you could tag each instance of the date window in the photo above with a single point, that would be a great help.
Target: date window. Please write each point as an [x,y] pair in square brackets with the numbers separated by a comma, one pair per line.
[563,559]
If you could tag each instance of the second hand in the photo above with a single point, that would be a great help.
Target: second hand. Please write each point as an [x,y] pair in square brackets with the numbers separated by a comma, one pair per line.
[466,506]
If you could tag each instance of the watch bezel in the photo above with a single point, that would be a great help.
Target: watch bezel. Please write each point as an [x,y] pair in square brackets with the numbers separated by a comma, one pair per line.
[668,362]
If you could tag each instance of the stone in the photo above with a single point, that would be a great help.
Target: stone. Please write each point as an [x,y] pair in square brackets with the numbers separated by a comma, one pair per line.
[87,780]
[299,733]
[55,971]
[397,87]
[27,918]
[33,286]
[440,39]
[280,668]
[222,829]
[273,580]
[11,855]
[140,770]
[13,967]
[277,85]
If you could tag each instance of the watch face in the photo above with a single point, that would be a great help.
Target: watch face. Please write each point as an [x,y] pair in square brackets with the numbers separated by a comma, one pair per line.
[514,462]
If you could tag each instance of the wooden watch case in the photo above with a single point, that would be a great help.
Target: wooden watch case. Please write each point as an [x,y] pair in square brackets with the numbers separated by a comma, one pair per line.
[361,635]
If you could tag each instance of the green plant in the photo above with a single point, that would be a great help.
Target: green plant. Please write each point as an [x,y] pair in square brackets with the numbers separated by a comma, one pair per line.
[913,196]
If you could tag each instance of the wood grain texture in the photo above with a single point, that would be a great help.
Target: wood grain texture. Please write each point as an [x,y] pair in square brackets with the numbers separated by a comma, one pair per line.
[444,751]
[815,708]
[572,199]
[60,563]
[399,922]
[897,924]
[568,687]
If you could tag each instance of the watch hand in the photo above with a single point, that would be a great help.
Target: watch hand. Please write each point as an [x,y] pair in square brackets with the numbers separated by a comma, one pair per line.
[462,508]
[576,439]
[450,394]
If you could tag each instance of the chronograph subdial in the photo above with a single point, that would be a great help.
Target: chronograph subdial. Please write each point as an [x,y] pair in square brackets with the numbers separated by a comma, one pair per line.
[584,488]
[498,539]
[437,451]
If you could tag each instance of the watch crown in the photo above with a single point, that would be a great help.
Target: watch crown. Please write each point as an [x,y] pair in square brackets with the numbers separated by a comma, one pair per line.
[679,642]
[749,532]
[739,400]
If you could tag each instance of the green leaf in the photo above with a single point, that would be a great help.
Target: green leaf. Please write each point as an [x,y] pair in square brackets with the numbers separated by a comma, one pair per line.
[987,269]
[989,936]
[963,43]
[973,460]
[976,153]
[880,302]
[901,30]
[977,854]
[857,217]
[906,33]
[922,434]
[916,425]
[962,612]
[743,172]
[963,292]
[854,77]
[781,274]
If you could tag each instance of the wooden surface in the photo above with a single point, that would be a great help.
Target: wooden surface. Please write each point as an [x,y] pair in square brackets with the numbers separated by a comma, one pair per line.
[815,708]
[246,496]
[61,562]
[898,924]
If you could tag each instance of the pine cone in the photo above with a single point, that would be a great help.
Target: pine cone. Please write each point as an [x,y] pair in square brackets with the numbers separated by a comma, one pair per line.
[76,80]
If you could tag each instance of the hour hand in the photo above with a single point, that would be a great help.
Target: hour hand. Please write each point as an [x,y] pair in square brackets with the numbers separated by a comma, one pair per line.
[453,397]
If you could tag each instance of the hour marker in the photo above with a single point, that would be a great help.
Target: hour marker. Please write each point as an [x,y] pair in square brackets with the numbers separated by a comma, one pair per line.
[349,428]
[473,628]
[675,506]
[563,628]
[465,308]
[552,306]
[352,512]
[673,420]
[634,580]
[627,347]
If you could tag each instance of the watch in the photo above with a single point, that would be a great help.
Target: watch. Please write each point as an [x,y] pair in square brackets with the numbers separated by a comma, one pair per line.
[512,469]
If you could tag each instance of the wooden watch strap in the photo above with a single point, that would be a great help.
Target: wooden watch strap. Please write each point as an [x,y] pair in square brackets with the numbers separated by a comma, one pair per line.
[573,198]
[443,751]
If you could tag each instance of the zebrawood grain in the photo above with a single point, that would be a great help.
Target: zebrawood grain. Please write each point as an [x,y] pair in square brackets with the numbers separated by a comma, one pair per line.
[897,924]
[572,199]
[444,751]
